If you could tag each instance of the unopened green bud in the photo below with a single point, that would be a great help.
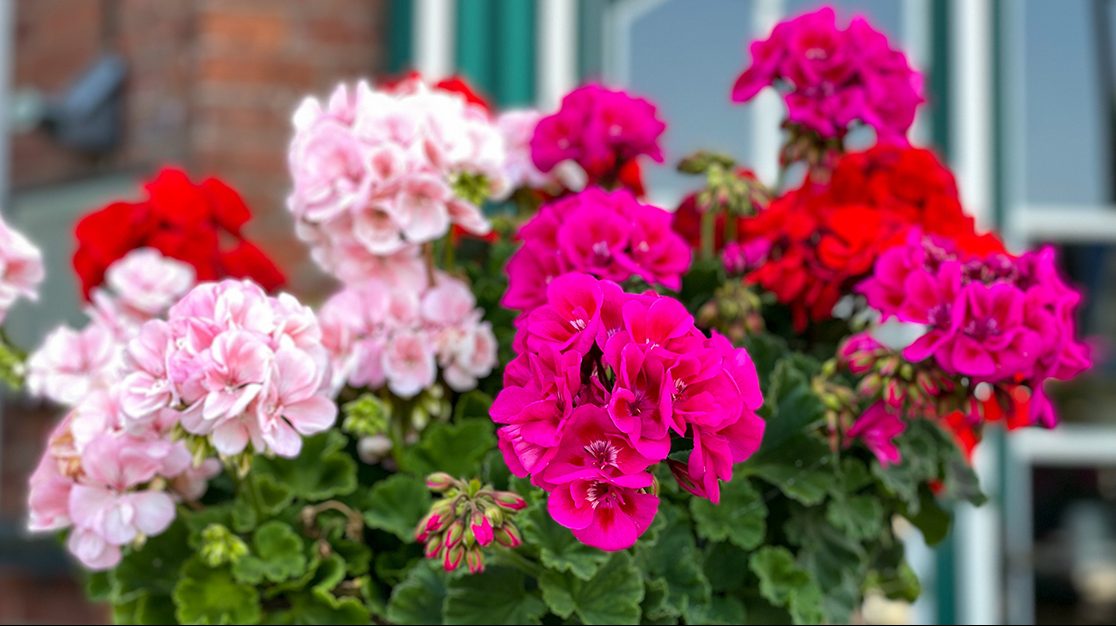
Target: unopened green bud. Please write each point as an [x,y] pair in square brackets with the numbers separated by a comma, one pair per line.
[220,546]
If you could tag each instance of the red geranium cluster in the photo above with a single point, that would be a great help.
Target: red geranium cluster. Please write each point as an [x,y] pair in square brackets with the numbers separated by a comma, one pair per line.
[824,237]
[200,224]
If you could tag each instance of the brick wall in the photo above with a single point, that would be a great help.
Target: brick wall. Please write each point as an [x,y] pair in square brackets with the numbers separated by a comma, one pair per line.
[211,85]
[255,61]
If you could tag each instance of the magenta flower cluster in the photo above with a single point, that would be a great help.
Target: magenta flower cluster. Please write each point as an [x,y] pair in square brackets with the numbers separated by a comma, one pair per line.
[604,384]
[598,129]
[831,77]
[234,365]
[608,234]
[997,318]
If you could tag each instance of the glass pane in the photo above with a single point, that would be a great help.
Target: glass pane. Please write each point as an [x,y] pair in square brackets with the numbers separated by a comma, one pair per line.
[684,56]
[1063,131]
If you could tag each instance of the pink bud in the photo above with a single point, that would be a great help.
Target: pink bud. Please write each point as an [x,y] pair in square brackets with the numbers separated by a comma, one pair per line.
[893,393]
[482,530]
[433,547]
[508,535]
[455,532]
[475,560]
[452,558]
[432,523]
[439,481]
[927,383]
[509,500]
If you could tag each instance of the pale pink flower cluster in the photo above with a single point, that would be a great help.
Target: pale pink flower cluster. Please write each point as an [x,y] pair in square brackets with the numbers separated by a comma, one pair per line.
[111,482]
[376,172]
[70,363]
[21,268]
[234,365]
[401,335]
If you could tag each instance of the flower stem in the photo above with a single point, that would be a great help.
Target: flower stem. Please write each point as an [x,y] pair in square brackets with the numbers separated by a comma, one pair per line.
[448,259]
[708,235]
[428,257]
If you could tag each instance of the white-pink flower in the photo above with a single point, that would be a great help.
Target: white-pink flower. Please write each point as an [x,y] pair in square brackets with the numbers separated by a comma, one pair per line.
[290,405]
[105,508]
[148,282]
[238,367]
[517,127]
[214,367]
[21,268]
[98,477]
[374,172]
[409,363]
[70,364]
[399,335]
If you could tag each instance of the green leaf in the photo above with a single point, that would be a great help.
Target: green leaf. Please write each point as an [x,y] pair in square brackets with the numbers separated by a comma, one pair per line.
[802,469]
[278,554]
[472,405]
[929,517]
[721,610]
[704,277]
[206,595]
[397,504]
[498,596]
[854,475]
[790,407]
[739,518]
[494,470]
[98,586]
[392,566]
[456,449]
[836,562]
[145,609]
[322,470]
[784,583]
[419,598]
[860,517]
[675,558]
[721,564]
[558,550]
[656,606]
[153,569]
[611,596]
[765,349]
[316,608]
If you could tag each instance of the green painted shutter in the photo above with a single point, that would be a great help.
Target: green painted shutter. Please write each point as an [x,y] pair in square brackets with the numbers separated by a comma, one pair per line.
[495,49]
[400,44]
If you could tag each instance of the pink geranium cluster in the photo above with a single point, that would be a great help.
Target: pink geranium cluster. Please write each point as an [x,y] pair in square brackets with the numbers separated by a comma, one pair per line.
[600,130]
[996,318]
[21,268]
[234,365]
[110,481]
[603,385]
[608,234]
[832,77]
[400,335]
[377,172]
[72,363]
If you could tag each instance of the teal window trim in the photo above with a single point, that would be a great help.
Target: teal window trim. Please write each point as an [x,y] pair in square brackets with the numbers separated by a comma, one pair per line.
[945,553]
[495,49]
[400,38]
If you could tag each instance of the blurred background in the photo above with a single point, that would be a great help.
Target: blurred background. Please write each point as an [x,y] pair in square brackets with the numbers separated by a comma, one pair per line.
[95,94]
